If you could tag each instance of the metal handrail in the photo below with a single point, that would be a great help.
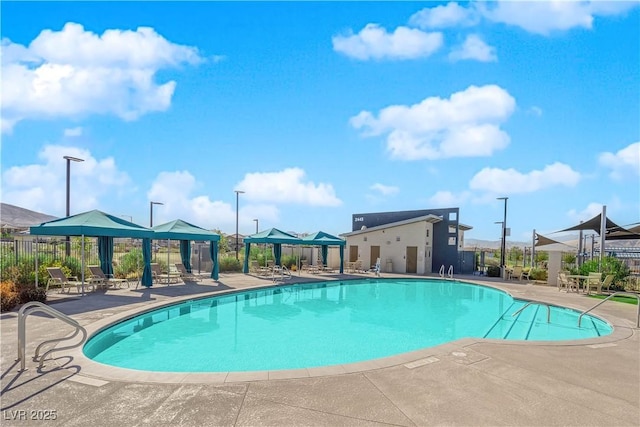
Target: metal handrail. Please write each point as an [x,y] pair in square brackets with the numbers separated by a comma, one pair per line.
[608,298]
[33,307]
[450,272]
[442,271]
[538,303]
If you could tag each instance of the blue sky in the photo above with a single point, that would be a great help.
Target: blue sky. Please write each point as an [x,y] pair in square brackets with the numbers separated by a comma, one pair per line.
[318,111]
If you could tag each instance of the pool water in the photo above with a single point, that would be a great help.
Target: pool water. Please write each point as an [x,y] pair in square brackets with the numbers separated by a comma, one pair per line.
[330,323]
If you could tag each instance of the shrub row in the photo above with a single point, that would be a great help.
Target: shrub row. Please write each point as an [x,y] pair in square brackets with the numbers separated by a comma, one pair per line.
[12,295]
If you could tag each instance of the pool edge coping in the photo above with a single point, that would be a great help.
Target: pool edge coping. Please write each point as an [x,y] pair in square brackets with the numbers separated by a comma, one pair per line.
[91,368]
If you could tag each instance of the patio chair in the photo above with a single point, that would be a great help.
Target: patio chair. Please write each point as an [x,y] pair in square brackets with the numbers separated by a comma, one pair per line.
[108,280]
[564,282]
[184,274]
[57,277]
[516,273]
[594,282]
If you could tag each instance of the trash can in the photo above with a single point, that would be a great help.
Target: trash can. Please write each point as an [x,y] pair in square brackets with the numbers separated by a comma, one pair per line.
[389,268]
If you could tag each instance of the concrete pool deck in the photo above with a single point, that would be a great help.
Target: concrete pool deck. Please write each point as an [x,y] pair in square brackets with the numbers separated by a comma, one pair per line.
[467,382]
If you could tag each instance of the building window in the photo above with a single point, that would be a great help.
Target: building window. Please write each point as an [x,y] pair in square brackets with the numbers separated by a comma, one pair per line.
[427,232]
[365,238]
[397,238]
[452,229]
[453,216]
[452,241]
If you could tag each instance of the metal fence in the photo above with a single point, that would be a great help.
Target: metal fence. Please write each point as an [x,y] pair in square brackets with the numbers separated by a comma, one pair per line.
[59,251]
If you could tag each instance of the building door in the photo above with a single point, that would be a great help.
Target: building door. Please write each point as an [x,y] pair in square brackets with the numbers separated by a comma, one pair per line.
[428,261]
[375,254]
[353,253]
[412,259]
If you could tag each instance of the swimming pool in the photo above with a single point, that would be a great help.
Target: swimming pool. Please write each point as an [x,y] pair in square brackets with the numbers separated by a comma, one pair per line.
[322,324]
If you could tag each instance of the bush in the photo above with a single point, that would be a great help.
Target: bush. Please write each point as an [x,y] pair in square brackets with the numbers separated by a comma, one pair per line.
[31,293]
[229,264]
[493,271]
[289,261]
[610,265]
[131,262]
[538,274]
[9,297]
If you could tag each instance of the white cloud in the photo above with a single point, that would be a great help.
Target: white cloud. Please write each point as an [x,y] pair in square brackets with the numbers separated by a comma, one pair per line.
[386,190]
[374,42]
[545,17]
[474,48]
[74,73]
[625,161]
[176,191]
[510,181]
[445,199]
[465,125]
[287,186]
[42,187]
[444,16]
[535,111]
[71,132]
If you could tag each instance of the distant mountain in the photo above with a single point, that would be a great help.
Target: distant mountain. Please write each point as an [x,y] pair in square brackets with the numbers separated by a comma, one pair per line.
[470,244]
[16,217]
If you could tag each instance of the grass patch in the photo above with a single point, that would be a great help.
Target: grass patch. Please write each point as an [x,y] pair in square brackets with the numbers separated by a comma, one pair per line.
[628,300]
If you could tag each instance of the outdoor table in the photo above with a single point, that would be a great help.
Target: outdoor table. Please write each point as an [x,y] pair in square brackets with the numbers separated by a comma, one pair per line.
[577,279]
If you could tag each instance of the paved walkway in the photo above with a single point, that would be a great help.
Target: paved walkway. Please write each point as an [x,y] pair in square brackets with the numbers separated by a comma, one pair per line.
[467,382]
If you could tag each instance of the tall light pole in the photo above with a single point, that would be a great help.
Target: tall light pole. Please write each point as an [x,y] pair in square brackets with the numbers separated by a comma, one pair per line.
[238,192]
[504,237]
[69,159]
[256,225]
[151,212]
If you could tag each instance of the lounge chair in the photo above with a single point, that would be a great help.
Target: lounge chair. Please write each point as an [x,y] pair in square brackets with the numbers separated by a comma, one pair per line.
[108,280]
[159,277]
[57,277]
[184,274]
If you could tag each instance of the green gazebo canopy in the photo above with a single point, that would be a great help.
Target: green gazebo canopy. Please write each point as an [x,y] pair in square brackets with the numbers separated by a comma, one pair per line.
[275,237]
[186,232]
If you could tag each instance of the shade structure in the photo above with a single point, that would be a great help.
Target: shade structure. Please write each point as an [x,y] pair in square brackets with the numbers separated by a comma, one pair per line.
[544,241]
[550,245]
[620,233]
[613,231]
[592,224]
[186,232]
[95,223]
[324,240]
[275,237]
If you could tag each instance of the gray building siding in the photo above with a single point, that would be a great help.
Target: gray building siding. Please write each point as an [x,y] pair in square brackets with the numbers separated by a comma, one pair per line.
[445,232]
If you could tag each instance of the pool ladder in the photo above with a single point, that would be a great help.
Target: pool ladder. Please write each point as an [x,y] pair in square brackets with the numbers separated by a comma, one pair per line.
[629,294]
[449,272]
[34,307]
[521,309]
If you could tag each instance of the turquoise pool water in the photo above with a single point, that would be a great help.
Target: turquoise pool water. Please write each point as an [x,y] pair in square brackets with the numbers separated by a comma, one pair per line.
[320,324]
